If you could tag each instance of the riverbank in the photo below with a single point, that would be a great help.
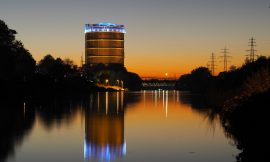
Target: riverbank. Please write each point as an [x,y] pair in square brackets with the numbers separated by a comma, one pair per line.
[246,121]
[37,89]
[237,84]
[240,98]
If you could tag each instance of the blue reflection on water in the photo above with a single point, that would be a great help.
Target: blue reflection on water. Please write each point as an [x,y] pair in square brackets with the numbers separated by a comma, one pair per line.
[103,152]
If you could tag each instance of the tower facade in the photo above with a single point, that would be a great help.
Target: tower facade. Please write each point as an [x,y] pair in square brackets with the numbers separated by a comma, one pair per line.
[104,43]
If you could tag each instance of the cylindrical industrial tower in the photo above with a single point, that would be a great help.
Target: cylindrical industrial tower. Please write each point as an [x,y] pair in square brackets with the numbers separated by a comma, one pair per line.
[104,43]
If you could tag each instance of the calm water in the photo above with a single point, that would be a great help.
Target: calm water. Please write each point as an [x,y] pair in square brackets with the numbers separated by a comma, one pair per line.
[113,126]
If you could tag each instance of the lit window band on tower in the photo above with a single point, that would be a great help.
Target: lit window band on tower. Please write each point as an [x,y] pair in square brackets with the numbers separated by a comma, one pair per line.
[104,43]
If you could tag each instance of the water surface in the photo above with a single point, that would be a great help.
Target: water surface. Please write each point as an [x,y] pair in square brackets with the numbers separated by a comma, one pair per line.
[115,126]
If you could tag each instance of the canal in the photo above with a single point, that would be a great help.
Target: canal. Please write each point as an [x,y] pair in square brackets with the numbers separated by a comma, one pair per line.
[115,126]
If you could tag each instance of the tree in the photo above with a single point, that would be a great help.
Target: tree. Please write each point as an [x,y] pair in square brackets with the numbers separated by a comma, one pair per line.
[197,81]
[46,64]
[133,80]
[56,68]
[16,62]
[69,62]
[233,68]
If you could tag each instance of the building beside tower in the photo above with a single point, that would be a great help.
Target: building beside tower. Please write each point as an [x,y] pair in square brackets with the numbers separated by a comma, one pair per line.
[104,43]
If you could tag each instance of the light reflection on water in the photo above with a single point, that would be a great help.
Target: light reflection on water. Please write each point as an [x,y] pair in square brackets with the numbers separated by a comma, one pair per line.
[104,131]
[116,126]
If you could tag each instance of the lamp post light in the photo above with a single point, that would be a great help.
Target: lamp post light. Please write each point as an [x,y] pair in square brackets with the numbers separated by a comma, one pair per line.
[122,84]
[107,81]
[117,81]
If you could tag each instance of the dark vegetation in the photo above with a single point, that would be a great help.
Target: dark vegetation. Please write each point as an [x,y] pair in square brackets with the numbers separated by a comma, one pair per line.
[20,75]
[248,125]
[197,81]
[241,98]
[115,74]
[250,79]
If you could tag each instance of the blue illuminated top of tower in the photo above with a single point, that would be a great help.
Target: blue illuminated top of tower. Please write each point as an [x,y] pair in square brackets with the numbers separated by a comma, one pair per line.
[107,24]
[104,27]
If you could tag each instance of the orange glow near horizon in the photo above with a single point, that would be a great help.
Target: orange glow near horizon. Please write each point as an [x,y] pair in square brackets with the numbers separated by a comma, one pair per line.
[164,37]
[150,60]
[158,67]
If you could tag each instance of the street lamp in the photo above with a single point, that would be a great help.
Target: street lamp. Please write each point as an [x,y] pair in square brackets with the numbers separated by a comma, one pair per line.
[117,81]
[107,81]
[122,83]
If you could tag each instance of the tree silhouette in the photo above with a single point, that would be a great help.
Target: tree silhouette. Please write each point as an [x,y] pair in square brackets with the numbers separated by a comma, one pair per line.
[197,81]
[16,62]
[56,68]
[45,65]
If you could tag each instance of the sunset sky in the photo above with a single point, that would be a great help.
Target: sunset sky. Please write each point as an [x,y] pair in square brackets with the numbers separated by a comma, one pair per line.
[163,36]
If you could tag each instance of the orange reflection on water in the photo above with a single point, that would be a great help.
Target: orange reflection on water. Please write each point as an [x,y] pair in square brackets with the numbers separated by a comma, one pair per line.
[161,104]
[154,125]
[104,128]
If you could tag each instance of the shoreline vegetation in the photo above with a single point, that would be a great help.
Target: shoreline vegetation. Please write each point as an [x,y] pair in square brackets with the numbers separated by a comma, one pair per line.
[21,75]
[228,89]
[240,98]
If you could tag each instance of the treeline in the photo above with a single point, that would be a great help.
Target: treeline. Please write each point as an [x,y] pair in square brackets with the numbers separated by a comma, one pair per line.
[240,98]
[20,74]
[240,83]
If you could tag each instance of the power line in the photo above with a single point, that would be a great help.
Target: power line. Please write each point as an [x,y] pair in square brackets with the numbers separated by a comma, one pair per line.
[225,57]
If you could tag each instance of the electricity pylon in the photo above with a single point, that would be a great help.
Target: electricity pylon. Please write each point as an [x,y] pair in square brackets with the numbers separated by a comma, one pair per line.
[212,63]
[252,51]
[225,58]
